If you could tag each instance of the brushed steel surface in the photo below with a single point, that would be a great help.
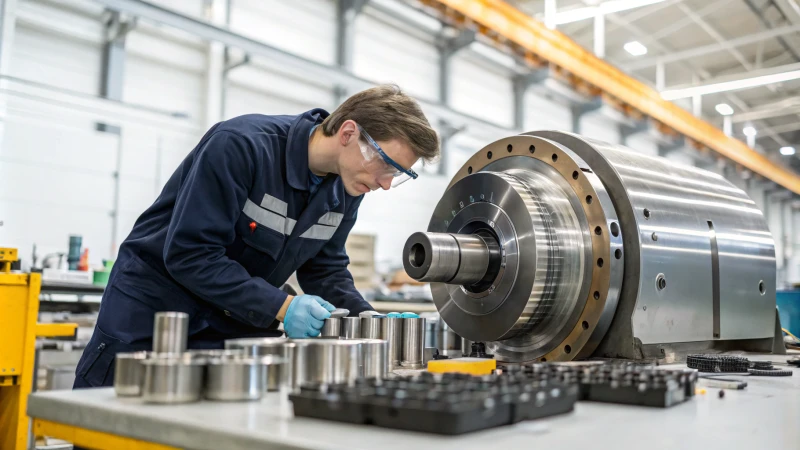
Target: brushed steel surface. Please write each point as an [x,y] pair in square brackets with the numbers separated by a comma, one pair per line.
[170,332]
[447,340]
[330,361]
[351,327]
[413,343]
[231,379]
[331,327]
[129,373]
[680,201]
[173,378]
[371,327]
[279,375]
[375,354]
[393,333]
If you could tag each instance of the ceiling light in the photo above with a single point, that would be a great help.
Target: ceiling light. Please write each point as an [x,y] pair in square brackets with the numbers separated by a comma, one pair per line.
[724,109]
[749,131]
[787,151]
[635,48]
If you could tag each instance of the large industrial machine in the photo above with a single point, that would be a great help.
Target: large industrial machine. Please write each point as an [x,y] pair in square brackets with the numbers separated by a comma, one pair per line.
[552,246]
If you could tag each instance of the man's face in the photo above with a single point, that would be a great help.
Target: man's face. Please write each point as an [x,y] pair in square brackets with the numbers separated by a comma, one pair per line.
[357,178]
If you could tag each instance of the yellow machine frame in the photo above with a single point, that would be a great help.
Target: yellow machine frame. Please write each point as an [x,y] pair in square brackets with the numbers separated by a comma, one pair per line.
[19,303]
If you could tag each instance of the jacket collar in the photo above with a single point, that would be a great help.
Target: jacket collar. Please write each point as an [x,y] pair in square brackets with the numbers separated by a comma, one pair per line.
[297,147]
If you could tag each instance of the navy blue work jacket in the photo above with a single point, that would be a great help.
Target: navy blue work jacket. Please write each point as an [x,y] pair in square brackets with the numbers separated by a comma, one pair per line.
[234,221]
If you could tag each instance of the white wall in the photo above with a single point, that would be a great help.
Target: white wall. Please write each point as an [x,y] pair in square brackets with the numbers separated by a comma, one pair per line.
[57,171]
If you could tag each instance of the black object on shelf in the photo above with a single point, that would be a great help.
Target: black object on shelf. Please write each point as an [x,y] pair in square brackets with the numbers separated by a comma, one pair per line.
[448,404]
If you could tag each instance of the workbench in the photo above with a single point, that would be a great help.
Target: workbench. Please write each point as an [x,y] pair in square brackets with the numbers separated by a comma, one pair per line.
[763,416]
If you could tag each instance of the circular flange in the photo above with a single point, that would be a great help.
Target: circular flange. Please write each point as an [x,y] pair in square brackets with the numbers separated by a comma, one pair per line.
[605,279]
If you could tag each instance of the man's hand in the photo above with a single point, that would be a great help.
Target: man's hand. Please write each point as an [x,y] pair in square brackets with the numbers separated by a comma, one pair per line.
[304,315]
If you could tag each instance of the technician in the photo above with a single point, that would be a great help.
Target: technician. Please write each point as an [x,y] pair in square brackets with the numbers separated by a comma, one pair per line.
[259,198]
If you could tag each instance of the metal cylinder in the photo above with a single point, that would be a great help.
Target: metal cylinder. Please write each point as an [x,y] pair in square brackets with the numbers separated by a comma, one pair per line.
[413,343]
[448,258]
[170,332]
[129,374]
[231,379]
[351,327]
[279,375]
[331,327]
[431,332]
[449,342]
[329,361]
[171,378]
[375,353]
[466,346]
[393,334]
[371,327]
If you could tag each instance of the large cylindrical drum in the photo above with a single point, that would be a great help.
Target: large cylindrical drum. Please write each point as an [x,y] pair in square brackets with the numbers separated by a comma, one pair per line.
[551,246]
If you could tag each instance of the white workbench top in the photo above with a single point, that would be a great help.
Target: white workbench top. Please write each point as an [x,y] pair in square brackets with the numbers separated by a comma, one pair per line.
[766,415]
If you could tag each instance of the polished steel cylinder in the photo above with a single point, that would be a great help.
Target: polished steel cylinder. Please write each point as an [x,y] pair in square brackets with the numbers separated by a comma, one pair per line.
[450,344]
[431,332]
[413,343]
[466,347]
[351,327]
[278,375]
[330,361]
[170,332]
[447,258]
[375,354]
[173,378]
[129,374]
[230,379]
[392,332]
[331,327]
[372,327]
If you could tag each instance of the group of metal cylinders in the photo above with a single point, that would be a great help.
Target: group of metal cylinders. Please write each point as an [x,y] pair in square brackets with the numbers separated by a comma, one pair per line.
[405,337]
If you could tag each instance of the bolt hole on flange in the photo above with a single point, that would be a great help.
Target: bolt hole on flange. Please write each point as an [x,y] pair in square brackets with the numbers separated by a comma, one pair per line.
[762,288]
[661,282]
[469,169]
[555,157]
[614,229]
[510,148]
[585,325]
[589,199]
[646,213]
[596,295]
[489,155]
[599,262]
[567,349]
[575,175]
[532,148]
[598,231]
[618,254]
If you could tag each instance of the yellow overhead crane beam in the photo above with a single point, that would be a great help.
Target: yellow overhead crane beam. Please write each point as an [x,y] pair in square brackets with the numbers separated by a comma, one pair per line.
[539,45]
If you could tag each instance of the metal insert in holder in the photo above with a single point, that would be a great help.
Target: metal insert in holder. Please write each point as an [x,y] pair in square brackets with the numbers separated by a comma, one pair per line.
[392,331]
[413,343]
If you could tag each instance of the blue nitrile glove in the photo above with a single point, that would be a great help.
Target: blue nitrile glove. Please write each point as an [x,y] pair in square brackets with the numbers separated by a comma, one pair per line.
[409,315]
[305,315]
[394,315]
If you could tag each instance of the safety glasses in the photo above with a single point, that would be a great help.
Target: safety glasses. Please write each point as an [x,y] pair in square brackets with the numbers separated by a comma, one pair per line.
[379,164]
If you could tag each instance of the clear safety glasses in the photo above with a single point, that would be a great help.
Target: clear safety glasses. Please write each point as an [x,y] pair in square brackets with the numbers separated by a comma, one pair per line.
[379,164]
